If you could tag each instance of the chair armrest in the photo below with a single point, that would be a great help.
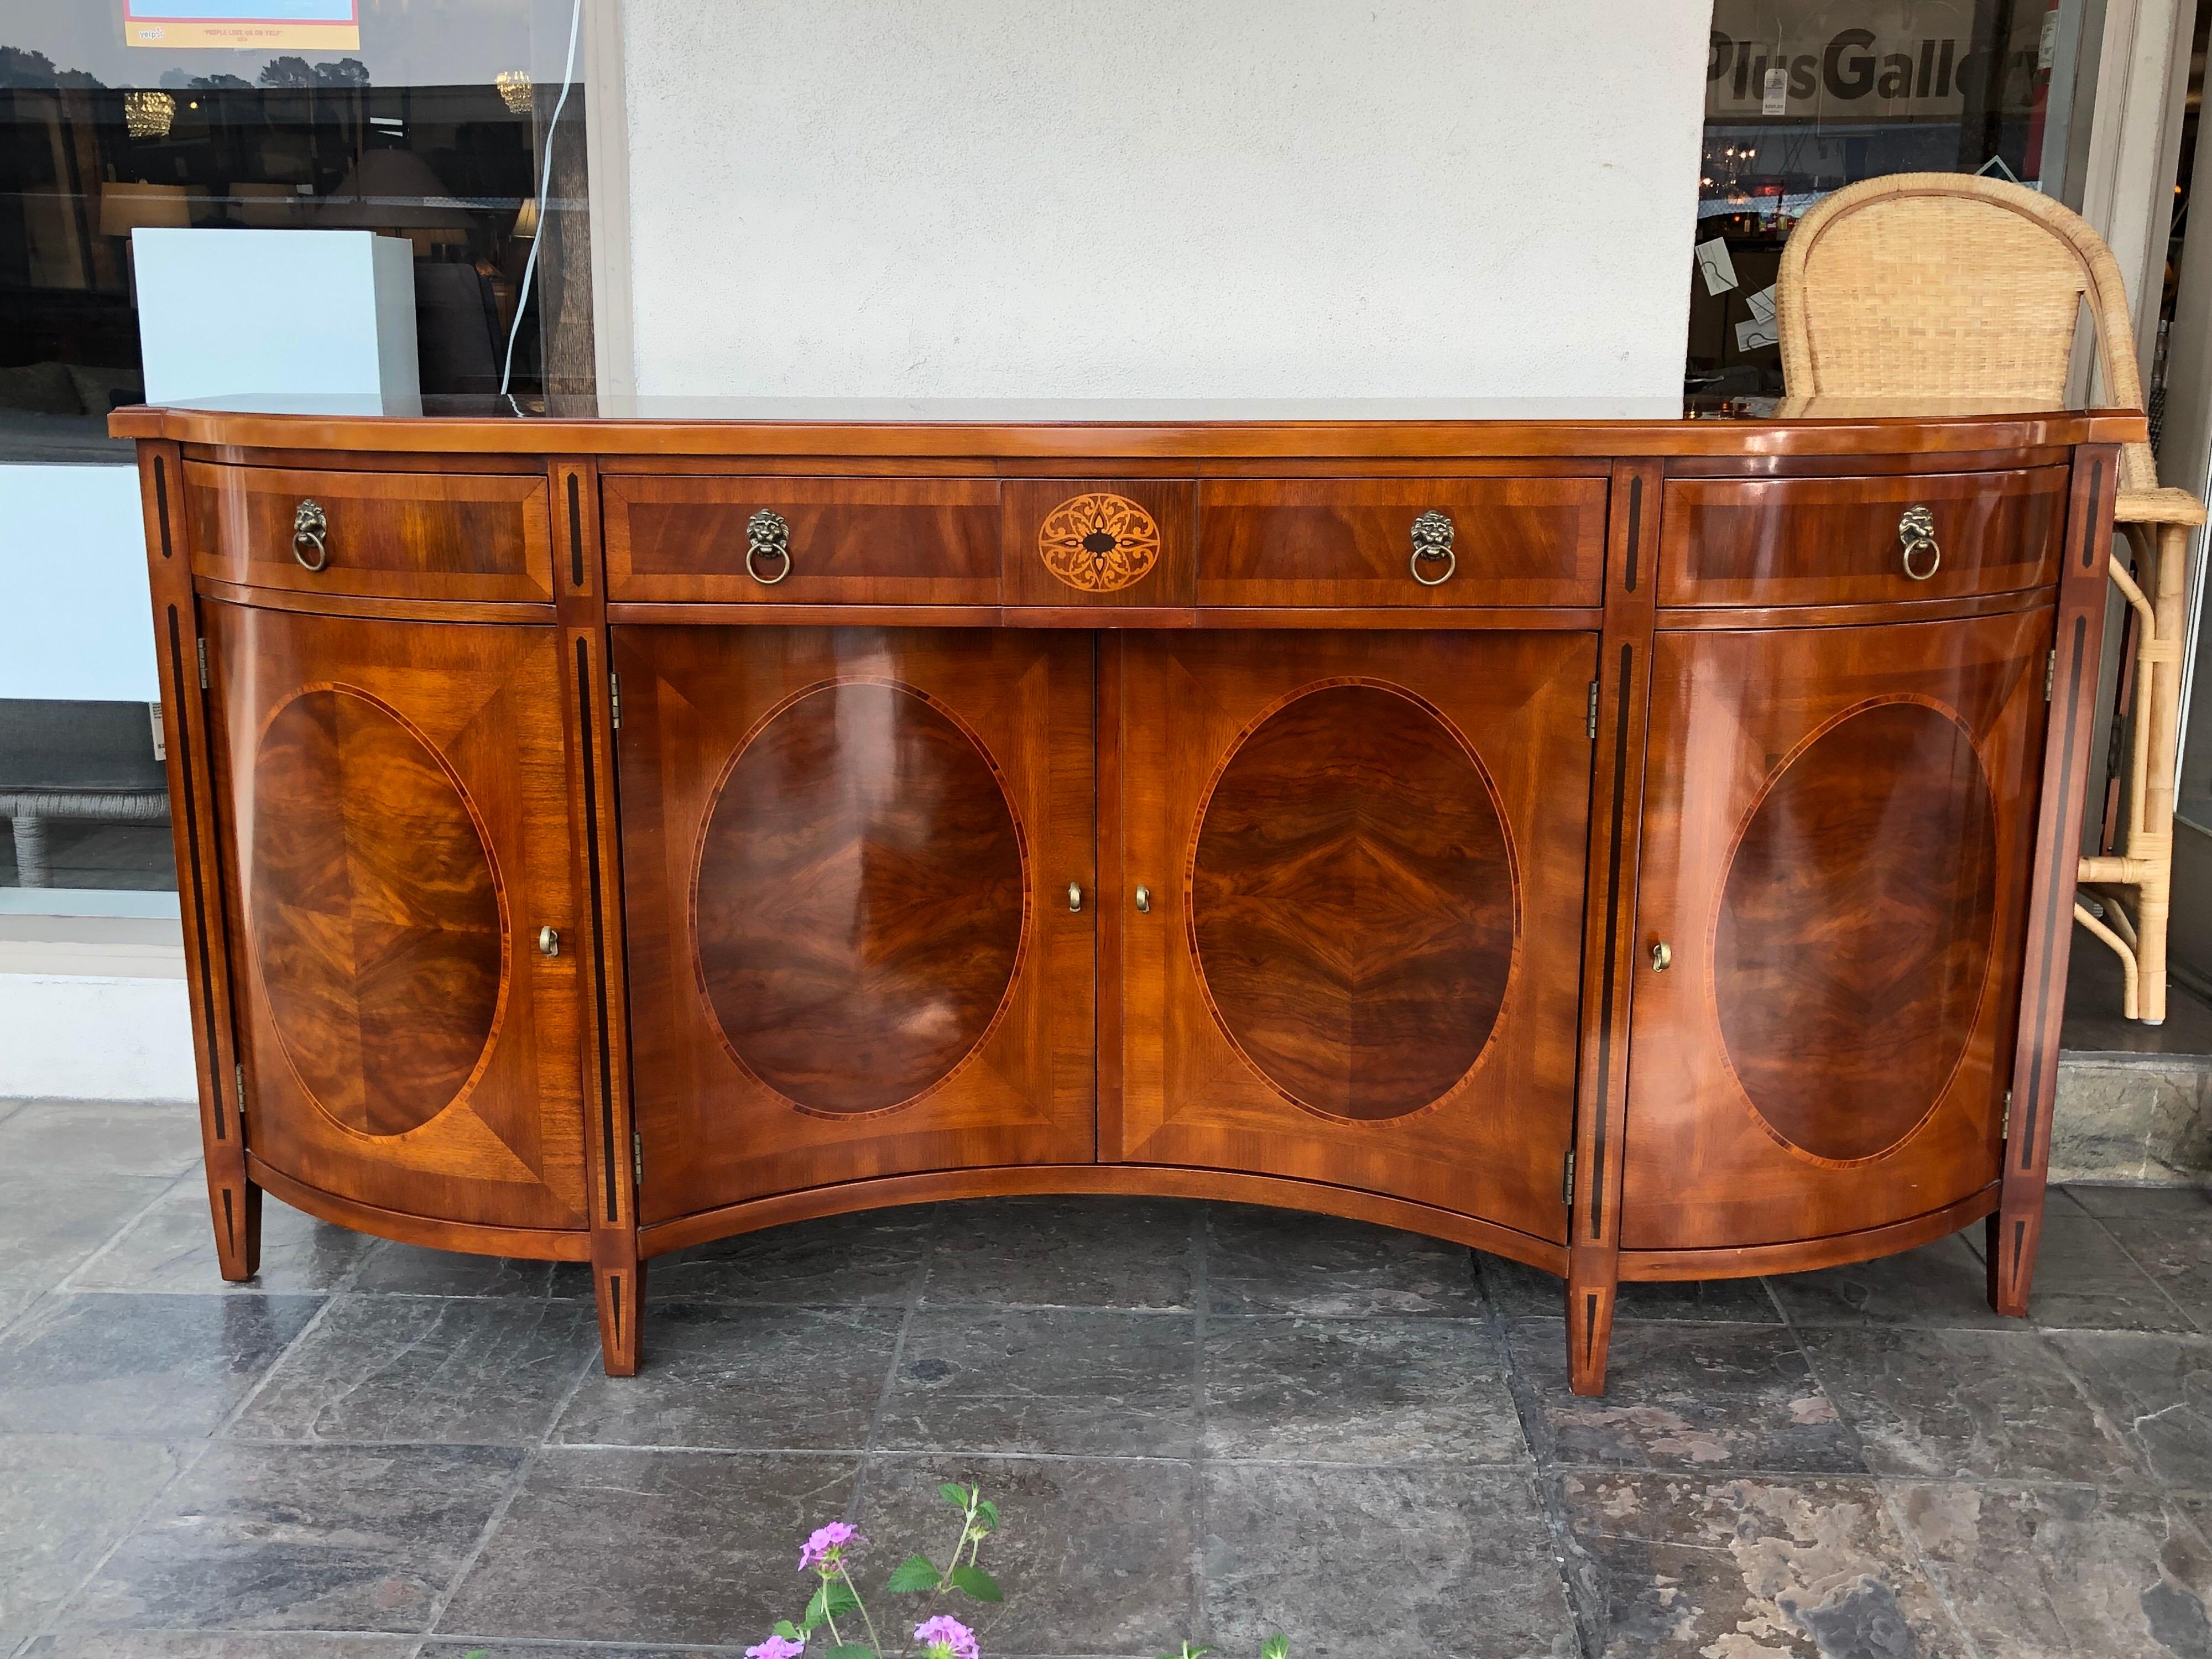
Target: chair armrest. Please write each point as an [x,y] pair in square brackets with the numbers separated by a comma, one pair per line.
[2158,506]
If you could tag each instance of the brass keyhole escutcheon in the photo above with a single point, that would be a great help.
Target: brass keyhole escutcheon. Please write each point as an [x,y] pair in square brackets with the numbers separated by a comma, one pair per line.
[1663,958]
[1074,897]
[1144,899]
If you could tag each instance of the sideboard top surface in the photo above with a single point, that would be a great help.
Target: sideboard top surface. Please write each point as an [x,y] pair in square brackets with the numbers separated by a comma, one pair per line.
[1106,429]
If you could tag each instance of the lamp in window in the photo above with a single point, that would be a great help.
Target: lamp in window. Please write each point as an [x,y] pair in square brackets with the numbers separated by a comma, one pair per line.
[395,190]
[526,222]
[515,88]
[149,114]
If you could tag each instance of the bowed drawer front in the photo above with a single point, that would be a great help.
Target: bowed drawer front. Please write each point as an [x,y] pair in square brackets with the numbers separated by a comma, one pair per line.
[481,536]
[1402,542]
[802,541]
[1859,540]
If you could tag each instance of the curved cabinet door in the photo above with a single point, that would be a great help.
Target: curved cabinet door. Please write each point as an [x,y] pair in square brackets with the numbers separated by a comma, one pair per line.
[397,797]
[846,858]
[1362,862]
[1838,827]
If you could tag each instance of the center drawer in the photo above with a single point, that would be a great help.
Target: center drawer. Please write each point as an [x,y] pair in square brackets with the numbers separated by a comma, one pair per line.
[751,539]
[1352,542]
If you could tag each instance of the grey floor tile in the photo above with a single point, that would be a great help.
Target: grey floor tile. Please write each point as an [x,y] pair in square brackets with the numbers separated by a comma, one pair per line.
[381,1368]
[1942,1285]
[236,1645]
[397,1269]
[49,1226]
[1062,1252]
[2085,1281]
[60,1138]
[639,1546]
[743,1378]
[172,1247]
[1080,1382]
[2053,1571]
[1953,1404]
[2157,1392]
[1720,1397]
[63,1501]
[2143,1203]
[1095,1557]
[1524,1292]
[1453,1563]
[325,1538]
[1381,1390]
[1286,1261]
[2177,1252]
[872,1258]
[166,1366]
[1670,1564]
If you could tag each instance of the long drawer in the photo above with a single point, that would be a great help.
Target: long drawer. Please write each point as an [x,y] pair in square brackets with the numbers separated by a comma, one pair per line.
[379,535]
[1854,540]
[1402,542]
[763,540]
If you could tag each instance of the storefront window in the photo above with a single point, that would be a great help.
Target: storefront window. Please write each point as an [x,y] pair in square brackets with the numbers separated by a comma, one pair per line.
[1805,96]
[421,119]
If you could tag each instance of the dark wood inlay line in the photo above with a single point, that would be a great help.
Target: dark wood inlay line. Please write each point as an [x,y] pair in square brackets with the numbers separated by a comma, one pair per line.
[183,727]
[575,535]
[1635,524]
[162,504]
[1612,941]
[598,956]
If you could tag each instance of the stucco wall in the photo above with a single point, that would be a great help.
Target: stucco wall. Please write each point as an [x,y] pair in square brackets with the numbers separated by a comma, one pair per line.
[1163,197]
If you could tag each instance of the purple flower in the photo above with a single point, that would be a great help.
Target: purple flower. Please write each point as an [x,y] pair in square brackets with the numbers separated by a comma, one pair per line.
[776,1647]
[946,1638]
[826,1550]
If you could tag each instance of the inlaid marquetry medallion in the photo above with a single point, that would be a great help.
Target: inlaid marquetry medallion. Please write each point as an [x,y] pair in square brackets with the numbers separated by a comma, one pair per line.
[1350,901]
[376,911]
[1854,930]
[1098,543]
[860,898]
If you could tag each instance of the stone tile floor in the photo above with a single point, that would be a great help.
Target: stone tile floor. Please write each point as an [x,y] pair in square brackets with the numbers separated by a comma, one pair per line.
[1198,1420]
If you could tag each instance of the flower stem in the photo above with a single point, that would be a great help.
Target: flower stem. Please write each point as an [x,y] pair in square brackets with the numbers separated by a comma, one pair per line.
[874,1640]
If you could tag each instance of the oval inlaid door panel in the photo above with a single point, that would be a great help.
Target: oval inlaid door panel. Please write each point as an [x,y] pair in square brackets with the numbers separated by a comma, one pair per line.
[1853,935]
[859,899]
[1352,903]
[375,910]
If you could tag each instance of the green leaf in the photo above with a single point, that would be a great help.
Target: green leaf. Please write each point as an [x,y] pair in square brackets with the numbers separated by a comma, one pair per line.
[818,1609]
[842,1600]
[1277,1647]
[786,1630]
[954,1493]
[978,1583]
[987,1511]
[913,1576]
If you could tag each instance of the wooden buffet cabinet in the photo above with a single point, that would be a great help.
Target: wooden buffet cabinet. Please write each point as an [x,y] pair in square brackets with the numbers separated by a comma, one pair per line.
[1639,847]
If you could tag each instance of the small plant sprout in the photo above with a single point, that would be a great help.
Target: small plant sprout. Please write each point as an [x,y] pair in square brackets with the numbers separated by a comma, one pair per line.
[836,1614]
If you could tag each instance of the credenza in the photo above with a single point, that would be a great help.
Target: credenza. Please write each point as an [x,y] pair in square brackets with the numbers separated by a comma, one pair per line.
[1639,846]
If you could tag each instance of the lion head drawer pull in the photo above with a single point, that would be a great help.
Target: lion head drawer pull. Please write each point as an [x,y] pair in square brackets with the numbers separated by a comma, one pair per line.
[1432,545]
[768,536]
[309,528]
[1915,533]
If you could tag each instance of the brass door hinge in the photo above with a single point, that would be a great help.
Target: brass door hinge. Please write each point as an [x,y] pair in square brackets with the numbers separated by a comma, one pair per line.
[614,697]
[202,643]
[241,1074]
[2050,673]
[1567,1179]
[1591,722]
[637,1154]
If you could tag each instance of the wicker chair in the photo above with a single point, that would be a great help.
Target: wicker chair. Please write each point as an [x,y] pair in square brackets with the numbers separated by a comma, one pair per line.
[1943,287]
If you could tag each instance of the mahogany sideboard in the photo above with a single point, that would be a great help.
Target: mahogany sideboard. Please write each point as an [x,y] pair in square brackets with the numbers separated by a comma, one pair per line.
[1641,847]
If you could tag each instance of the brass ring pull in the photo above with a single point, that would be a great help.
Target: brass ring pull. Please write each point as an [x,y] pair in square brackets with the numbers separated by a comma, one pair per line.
[1144,899]
[1074,897]
[548,941]
[766,535]
[1432,545]
[309,527]
[1916,531]
[1663,956]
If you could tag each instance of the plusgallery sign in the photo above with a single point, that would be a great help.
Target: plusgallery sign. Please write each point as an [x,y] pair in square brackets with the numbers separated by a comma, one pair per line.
[1897,62]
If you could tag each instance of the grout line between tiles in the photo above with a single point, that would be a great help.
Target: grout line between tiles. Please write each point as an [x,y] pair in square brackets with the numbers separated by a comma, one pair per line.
[915,1291]
[2119,1243]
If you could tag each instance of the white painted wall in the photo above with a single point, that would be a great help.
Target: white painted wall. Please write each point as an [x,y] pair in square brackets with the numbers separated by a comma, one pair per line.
[86,1037]
[78,622]
[1162,197]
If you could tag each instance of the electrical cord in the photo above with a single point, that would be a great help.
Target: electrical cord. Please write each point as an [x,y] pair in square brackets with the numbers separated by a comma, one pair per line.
[545,196]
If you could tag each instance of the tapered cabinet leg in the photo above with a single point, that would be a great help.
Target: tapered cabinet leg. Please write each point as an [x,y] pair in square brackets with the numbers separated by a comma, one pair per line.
[1589,1331]
[619,1285]
[2011,1237]
[234,1206]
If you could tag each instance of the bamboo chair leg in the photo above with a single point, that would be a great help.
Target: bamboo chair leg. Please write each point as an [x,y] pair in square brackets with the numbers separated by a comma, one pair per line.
[2147,866]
